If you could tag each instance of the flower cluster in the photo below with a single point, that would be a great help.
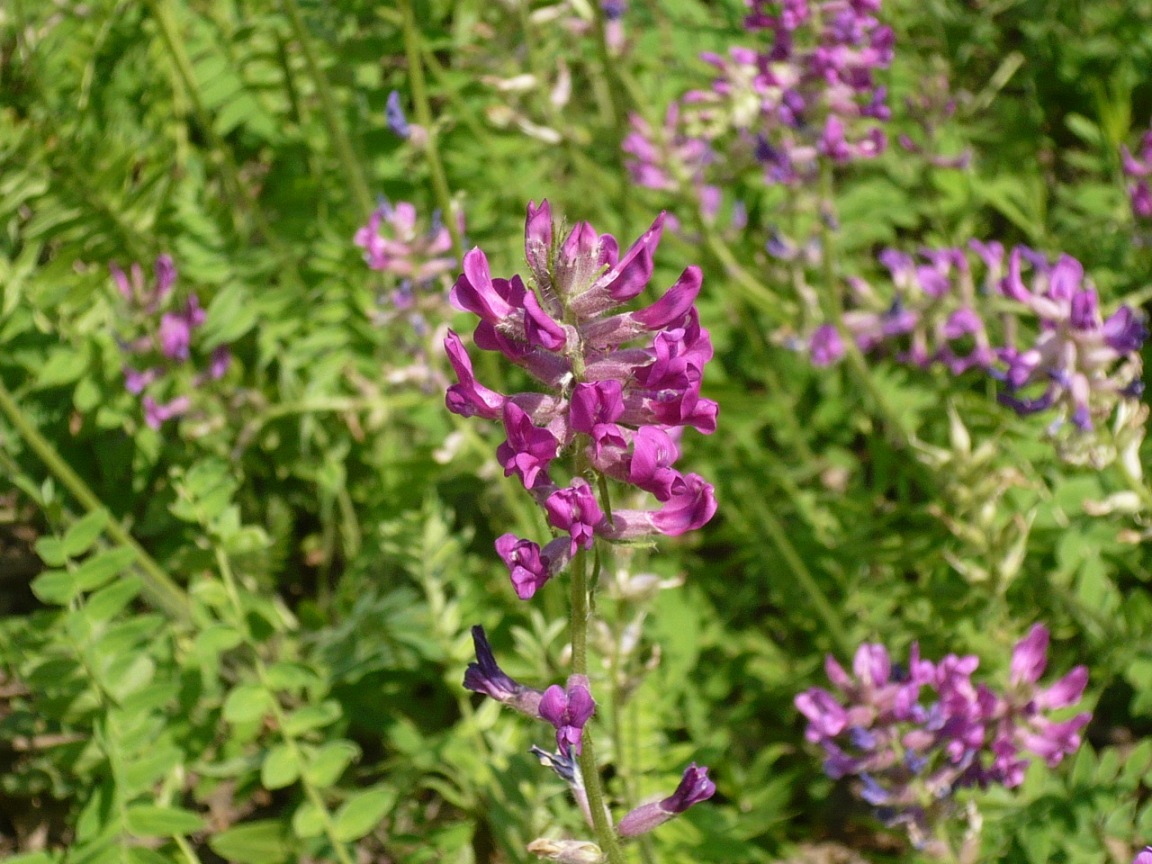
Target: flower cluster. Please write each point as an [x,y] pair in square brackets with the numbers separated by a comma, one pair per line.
[1077,361]
[567,709]
[913,736]
[810,93]
[169,343]
[1138,169]
[620,387]
[667,157]
[399,249]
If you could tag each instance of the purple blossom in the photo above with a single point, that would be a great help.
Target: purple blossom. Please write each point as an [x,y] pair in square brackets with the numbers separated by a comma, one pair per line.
[486,677]
[932,729]
[393,244]
[619,384]
[394,115]
[1144,856]
[695,786]
[568,709]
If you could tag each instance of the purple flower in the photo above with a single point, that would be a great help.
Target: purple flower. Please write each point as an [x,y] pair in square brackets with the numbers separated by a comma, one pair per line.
[528,448]
[694,787]
[1143,857]
[176,328]
[618,383]
[156,414]
[825,345]
[486,677]
[574,509]
[394,115]
[393,244]
[568,709]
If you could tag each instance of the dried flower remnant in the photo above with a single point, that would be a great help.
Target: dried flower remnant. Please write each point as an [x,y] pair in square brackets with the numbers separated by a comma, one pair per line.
[617,383]
[911,737]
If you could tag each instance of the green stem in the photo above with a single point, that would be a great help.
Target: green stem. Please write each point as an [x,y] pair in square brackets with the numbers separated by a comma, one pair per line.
[353,171]
[310,790]
[159,588]
[424,117]
[605,833]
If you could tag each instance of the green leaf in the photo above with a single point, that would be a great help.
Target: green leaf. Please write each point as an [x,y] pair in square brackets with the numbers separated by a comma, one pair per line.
[280,768]
[261,842]
[110,600]
[307,821]
[363,812]
[83,534]
[312,717]
[51,551]
[56,587]
[246,703]
[64,365]
[231,314]
[147,820]
[325,766]
[286,675]
[98,569]
[217,638]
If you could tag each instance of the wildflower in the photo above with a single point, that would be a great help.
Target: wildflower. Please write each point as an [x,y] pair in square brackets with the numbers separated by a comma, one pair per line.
[694,787]
[619,384]
[175,334]
[568,709]
[1144,857]
[394,115]
[486,677]
[911,737]
[392,244]
[133,290]
[1139,169]
[808,92]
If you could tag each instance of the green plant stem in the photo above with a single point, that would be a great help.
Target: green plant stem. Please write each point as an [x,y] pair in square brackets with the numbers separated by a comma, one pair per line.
[312,793]
[353,171]
[605,833]
[159,588]
[424,117]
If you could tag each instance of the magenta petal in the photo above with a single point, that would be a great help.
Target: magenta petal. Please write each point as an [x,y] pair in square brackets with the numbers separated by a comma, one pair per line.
[553,704]
[675,304]
[1030,656]
[688,511]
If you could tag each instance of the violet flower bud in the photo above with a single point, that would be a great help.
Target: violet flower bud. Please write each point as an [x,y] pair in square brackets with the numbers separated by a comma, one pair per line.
[394,115]
[486,677]
[694,787]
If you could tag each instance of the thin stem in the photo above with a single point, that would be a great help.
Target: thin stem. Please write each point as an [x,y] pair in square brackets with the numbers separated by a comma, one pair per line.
[159,588]
[353,171]
[424,116]
[605,833]
[310,790]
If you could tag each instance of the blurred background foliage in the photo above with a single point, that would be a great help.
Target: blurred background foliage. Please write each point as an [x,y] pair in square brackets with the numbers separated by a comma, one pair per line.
[330,525]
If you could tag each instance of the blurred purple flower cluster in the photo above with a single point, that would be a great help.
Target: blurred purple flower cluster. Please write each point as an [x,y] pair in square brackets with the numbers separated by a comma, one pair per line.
[913,736]
[392,244]
[567,709]
[1138,168]
[620,386]
[167,345]
[1066,355]
[808,93]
